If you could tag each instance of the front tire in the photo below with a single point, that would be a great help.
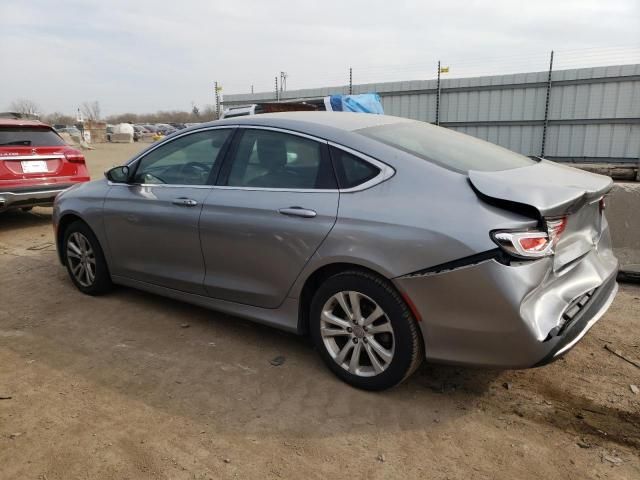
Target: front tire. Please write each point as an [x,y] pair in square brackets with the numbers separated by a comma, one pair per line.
[364,331]
[85,261]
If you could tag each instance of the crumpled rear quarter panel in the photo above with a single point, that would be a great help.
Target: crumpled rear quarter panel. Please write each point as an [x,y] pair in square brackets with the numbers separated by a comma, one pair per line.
[490,314]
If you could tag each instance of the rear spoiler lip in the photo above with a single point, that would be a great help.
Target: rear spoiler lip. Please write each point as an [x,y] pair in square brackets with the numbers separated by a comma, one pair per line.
[552,189]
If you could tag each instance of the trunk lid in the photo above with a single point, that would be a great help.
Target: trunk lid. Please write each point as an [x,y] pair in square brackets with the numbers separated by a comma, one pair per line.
[554,190]
[551,188]
[27,162]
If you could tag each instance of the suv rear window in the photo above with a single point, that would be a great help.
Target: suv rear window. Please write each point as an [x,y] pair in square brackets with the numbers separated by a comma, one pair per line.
[450,149]
[29,137]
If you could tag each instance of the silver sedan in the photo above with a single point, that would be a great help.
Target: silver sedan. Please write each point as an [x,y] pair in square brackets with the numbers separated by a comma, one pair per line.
[386,240]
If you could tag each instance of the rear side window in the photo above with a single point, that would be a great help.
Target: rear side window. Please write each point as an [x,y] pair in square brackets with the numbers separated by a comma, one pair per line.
[269,159]
[351,170]
[29,137]
[445,147]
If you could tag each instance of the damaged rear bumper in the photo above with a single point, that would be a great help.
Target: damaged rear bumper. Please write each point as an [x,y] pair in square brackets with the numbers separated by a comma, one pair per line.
[518,316]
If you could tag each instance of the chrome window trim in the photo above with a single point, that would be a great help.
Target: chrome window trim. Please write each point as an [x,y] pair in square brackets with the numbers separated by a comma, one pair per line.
[283,130]
[163,185]
[386,171]
[171,139]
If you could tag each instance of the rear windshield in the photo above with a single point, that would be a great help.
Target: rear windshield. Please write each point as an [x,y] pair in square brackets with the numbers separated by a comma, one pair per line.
[445,147]
[29,137]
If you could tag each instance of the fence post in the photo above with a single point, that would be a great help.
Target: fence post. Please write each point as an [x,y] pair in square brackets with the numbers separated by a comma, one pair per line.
[350,81]
[215,86]
[438,97]
[546,107]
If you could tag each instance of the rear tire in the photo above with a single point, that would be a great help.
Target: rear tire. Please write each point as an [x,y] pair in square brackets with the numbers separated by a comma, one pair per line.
[364,331]
[85,261]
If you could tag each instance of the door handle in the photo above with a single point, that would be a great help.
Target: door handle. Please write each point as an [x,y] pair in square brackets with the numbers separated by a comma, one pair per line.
[185,202]
[298,212]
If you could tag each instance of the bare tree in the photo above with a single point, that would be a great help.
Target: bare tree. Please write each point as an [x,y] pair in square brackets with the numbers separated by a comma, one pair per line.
[57,118]
[208,113]
[91,110]
[25,107]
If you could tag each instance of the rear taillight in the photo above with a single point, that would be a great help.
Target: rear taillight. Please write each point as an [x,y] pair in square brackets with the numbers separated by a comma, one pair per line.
[531,243]
[74,156]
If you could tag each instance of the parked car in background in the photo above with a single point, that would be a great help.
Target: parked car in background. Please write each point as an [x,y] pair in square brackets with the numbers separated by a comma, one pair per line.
[272,107]
[35,164]
[388,240]
[165,129]
[178,126]
[139,133]
[73,131]
[150,128]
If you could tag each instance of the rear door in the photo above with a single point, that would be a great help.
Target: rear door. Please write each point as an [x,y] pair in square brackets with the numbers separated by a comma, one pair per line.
[276,202]
[152,223]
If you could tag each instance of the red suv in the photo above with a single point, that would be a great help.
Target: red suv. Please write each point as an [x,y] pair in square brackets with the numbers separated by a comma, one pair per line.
[35,164]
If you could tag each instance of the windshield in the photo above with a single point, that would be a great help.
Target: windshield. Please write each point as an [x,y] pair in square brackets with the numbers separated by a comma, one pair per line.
[29,137]
[445,147]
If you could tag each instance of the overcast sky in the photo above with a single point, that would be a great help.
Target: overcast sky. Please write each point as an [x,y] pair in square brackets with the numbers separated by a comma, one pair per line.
[142,56]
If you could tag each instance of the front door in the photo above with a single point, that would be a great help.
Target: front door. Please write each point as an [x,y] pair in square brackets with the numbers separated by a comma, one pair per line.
[277,203]
[152,223]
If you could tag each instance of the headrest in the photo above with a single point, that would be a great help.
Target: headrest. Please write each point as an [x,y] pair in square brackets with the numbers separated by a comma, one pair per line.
[272,153]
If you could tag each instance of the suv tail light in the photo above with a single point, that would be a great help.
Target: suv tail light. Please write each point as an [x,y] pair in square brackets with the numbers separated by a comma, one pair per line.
[74,156]
[531,243]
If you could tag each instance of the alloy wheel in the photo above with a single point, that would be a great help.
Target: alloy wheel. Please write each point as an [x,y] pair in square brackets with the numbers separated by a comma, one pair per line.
[357,333]
[81,259]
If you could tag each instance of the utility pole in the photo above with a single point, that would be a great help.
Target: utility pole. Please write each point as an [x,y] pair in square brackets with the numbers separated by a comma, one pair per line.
[215,86]
[546,107]
[277,91]
[438,97]
[350,81]
[283,81]
[251,89]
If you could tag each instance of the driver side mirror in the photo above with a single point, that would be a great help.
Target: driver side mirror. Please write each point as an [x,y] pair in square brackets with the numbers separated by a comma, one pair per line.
[118,174]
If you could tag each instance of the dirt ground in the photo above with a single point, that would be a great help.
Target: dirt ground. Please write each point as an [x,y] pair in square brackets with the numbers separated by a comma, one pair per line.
[117,387]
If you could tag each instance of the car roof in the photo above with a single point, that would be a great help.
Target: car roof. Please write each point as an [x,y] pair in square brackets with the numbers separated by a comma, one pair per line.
[20,122]
[348,121]
[332,126]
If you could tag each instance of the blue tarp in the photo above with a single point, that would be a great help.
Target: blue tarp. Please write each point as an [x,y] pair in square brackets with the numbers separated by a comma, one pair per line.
[365,102]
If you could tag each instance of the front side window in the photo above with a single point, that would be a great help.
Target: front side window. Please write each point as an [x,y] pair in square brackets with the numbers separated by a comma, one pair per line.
[187,160]
[269,159]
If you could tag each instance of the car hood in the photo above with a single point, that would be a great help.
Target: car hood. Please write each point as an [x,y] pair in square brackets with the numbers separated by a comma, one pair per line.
[551,188]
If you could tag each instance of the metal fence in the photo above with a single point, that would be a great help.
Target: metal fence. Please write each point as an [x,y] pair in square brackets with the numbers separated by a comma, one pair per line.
[581,115]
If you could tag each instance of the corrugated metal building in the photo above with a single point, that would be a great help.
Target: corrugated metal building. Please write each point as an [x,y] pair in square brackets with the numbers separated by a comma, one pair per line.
[593,113]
